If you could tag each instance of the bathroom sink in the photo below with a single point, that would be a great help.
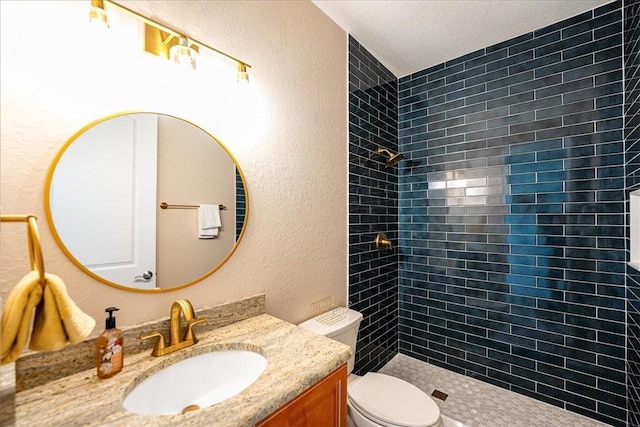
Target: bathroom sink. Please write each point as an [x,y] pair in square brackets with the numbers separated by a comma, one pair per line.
[196,382]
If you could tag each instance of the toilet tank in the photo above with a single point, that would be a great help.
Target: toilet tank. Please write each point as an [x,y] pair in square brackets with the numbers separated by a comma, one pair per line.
[340,324]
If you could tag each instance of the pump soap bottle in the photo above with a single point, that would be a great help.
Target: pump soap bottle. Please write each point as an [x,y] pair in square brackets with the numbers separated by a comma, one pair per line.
[110,350]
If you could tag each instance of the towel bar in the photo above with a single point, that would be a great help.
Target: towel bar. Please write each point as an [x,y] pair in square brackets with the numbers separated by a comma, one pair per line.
[165,205]
[33,241]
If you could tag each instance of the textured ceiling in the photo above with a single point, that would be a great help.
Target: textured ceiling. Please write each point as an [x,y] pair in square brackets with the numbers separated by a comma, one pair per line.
[409,36]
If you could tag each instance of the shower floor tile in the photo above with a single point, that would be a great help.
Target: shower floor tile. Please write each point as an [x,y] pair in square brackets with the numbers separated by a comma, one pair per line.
[473,403]
[448,422]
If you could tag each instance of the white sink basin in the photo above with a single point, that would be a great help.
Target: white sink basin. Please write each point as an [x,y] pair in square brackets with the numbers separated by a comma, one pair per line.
[200,380]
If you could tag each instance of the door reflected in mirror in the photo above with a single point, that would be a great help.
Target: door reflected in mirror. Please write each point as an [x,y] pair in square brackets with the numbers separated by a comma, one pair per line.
[104,191]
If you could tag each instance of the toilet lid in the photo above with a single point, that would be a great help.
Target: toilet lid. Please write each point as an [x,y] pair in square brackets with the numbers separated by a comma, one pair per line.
[393,401]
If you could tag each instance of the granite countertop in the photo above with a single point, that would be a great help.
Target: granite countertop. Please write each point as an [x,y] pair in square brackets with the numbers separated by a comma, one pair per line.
[296,359]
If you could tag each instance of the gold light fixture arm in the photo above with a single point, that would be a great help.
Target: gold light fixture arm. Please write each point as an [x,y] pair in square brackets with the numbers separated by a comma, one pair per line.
[175,33]
[167,40]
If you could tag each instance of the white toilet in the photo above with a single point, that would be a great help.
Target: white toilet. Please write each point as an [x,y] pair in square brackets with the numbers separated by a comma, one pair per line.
[375,400]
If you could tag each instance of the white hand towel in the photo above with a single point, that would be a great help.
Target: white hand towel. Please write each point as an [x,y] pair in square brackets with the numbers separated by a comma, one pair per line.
[208,221]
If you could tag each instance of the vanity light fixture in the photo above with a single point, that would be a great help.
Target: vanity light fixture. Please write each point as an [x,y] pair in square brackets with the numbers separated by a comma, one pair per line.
[243,75]
[165,42]
[176,48]
[182,53]
[97,14]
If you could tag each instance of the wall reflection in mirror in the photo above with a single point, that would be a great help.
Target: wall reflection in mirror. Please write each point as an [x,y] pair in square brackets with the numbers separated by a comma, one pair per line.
[104,192]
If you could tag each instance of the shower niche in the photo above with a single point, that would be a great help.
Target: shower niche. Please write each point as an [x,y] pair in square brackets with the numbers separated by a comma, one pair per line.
[634,229]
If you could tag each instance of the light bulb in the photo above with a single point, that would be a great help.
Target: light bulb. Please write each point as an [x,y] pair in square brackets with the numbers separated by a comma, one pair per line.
[97,13]
[243,75]
[183,54]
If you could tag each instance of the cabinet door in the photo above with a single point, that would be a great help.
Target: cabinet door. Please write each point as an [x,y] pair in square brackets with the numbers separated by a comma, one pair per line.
[323,405]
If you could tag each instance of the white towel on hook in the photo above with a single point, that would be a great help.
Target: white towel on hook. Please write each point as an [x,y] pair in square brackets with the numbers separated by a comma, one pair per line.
[208,221]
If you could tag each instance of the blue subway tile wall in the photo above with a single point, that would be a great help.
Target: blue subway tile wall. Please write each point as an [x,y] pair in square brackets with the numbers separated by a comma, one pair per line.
[373,207]
[632,172]
[511,215]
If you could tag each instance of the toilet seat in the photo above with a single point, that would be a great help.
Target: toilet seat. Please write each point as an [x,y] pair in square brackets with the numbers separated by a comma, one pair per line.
[391,401]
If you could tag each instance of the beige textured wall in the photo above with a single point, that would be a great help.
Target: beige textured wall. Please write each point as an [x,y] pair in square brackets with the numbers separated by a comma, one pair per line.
[287,131]
[193,169]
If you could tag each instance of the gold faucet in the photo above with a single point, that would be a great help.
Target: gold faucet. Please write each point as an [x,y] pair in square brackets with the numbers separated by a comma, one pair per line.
[176,342]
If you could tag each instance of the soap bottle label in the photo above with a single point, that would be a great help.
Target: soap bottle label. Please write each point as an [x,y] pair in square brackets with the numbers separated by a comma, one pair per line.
[111,356]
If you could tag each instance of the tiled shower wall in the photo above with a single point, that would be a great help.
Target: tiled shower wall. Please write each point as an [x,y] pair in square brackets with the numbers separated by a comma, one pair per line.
[373,207]
[512,226]
[632,163]
[241,205]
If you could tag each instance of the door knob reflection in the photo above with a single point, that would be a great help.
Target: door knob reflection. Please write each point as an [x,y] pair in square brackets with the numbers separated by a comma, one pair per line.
[147,275]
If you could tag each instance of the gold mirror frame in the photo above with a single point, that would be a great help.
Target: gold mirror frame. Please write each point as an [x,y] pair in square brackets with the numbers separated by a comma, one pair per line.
[79,264]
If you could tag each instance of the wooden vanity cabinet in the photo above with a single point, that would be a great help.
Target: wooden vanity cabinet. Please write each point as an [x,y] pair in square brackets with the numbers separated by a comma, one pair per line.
[324,404]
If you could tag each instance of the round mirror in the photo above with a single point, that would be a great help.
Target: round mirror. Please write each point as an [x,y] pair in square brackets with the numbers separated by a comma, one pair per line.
[146,202]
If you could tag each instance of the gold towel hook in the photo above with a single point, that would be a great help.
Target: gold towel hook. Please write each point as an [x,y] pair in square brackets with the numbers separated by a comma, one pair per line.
[33,241]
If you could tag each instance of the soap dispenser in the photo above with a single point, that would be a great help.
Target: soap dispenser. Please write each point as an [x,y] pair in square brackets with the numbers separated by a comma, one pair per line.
[110,350]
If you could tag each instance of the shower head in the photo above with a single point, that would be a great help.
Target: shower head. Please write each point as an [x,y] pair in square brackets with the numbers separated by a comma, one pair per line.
[393,159]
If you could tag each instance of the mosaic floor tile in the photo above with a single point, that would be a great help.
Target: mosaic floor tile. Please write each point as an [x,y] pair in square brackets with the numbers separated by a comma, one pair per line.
[473,403]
